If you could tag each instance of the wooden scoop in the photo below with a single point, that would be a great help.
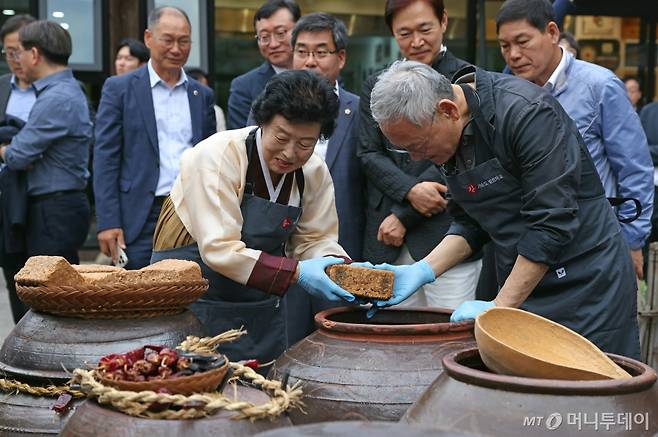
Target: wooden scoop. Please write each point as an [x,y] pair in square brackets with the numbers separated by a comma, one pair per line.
[519,343]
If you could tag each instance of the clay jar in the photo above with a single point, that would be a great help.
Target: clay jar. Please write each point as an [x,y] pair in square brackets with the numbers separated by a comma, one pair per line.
[468,397]
[354,368]
[43,348]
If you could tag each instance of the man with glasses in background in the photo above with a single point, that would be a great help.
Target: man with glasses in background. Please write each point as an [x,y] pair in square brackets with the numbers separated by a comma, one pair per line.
[273,23]
[16,99]
[146,119]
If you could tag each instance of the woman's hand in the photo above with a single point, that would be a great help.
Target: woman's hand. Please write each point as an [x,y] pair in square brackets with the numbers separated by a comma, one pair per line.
[315,281]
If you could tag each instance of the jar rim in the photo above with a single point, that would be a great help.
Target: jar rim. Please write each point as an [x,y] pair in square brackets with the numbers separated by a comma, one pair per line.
[455,366]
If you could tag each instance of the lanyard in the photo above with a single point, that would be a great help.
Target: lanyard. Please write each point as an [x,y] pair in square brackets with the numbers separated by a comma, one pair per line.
[274,193]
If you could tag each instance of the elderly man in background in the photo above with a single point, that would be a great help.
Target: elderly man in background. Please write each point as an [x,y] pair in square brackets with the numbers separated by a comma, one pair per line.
[146,119]
[595,99]
[519,174]
[53,146]
[273,23]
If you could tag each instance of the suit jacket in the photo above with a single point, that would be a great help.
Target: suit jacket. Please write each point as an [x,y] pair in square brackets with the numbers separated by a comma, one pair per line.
[348,177]
[244,90]
[13,184]
[390,176]
[126,154]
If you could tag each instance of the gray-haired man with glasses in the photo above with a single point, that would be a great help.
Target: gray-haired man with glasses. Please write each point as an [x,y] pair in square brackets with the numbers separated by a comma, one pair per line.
[273,23]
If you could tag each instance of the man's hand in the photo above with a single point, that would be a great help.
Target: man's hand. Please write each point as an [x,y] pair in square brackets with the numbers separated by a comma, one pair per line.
[638,263]
[108,240]
[391,231]
[426,198]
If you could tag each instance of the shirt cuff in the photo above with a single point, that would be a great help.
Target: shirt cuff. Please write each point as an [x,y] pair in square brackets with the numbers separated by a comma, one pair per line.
[272,274]
[539,247]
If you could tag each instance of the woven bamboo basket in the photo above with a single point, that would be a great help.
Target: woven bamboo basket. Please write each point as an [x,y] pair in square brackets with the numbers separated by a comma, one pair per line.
[201,382]
[112,302]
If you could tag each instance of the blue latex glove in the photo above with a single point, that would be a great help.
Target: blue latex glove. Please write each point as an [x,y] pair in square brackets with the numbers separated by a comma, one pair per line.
[408,279]
[470,309]
[315,281]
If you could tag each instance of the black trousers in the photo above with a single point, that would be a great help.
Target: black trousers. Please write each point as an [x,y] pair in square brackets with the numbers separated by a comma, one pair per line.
[11,264]
[57,224]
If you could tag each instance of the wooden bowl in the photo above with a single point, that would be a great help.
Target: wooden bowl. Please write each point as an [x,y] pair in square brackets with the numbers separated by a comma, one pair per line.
[519,343]
[201,382]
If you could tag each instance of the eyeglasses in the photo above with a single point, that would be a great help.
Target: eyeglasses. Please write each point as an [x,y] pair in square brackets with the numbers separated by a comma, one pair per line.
[11,53]
[318,54]
[415,147]
[279,35]
[183,43]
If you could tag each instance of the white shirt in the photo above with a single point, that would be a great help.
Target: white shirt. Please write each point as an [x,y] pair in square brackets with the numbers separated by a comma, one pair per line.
[552,81]
[323,143]
[174,125]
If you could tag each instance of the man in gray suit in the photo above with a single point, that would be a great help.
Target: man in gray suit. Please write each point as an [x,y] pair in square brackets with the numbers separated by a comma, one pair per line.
[16,99]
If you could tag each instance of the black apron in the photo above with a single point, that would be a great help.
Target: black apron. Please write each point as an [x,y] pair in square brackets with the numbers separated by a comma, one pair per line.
[230,305]
[592,289]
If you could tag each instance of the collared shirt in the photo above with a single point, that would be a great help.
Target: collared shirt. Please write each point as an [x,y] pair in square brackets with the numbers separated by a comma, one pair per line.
[174,124]
[54,143]
[551,83]
[278,70]
[20,100]
[597,101]
[323,143]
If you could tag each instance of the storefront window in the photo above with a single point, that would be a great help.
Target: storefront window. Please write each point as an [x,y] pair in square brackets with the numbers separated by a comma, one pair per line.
[82,19]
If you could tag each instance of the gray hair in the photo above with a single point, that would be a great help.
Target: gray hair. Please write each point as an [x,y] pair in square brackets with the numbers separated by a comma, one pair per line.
[408,90]
[156,14]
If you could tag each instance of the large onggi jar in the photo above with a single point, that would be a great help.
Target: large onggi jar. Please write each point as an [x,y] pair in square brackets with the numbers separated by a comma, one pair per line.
[468,397]
[354,368]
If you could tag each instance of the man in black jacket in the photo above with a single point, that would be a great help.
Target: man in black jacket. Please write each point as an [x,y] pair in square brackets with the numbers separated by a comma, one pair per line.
[405,212]
[16,99]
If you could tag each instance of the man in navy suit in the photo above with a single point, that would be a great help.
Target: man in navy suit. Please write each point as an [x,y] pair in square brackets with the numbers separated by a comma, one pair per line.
[273,22]
[146,119]
[320,42]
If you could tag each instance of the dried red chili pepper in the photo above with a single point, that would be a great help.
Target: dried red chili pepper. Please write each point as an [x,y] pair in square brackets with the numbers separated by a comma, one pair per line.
[254,364]
[112,362]
[62,404]
[182,363]
[115,375]
[153,358]
[134,355]
[144,367]
[165,372]
[168,357]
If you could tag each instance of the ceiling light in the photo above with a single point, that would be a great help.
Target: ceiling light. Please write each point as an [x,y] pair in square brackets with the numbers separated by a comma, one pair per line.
[8,12]
[58,14]
[64,25]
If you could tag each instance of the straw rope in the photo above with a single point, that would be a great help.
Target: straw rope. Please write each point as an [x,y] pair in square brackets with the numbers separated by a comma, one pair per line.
[208,345]
[193,406]
[13,386]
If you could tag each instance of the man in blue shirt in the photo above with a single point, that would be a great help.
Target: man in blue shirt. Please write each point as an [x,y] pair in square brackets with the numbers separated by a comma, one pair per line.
[16,99]
[53,146]
[595,99]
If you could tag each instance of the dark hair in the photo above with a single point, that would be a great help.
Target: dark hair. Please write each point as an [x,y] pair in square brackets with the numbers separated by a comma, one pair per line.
[156,14]
[568,36]
[537,12]
[51,39]
[136,49]
[196,73]
[270,7]
[635,78]
[395,6]
[319,22]
[14,24]
[299,96]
